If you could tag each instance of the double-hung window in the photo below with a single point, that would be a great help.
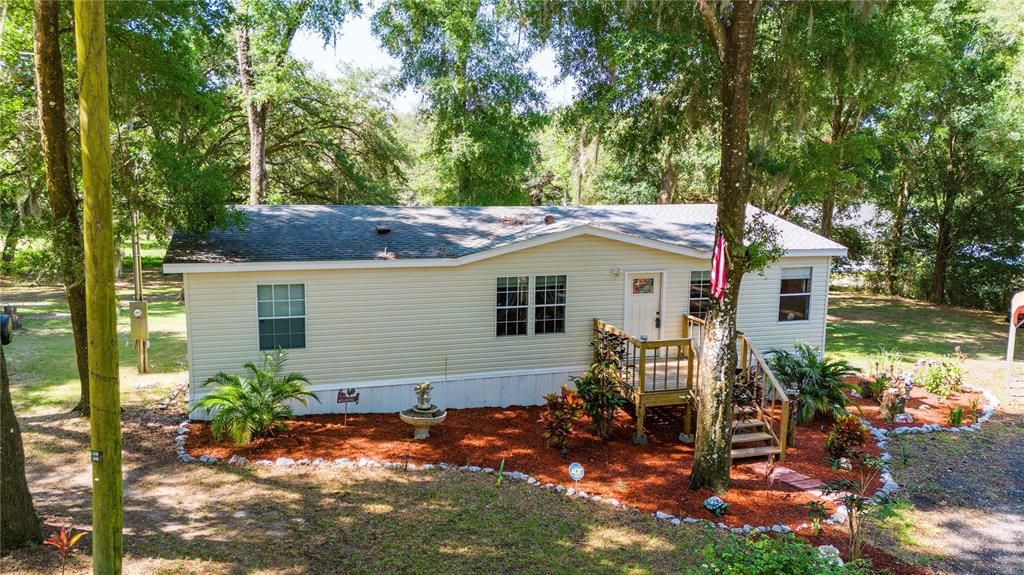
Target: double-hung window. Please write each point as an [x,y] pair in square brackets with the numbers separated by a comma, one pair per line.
[282,315]
[513,305]
[549,304]
[795,294]
[700,293]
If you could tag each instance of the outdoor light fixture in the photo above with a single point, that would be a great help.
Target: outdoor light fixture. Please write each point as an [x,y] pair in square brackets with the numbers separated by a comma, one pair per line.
[617,272]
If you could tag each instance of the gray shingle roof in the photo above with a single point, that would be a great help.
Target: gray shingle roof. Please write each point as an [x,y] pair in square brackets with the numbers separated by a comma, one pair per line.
[338,233]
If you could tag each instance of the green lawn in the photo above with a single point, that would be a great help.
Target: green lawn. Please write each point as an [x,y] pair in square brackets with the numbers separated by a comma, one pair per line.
[42,358]
[859,325]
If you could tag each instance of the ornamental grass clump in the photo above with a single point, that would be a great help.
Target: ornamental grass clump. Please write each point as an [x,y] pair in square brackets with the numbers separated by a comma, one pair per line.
[560,416]
[245,408]
[819,383]
[600,386]
[956,416]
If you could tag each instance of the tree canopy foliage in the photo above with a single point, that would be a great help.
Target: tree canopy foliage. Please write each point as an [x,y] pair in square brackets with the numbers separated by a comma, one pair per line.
[894,127]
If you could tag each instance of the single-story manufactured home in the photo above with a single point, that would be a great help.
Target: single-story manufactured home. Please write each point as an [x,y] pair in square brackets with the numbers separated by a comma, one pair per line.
[496,306]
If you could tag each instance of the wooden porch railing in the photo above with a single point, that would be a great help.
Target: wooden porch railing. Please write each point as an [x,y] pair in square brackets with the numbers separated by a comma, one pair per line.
[654,372]
[768,399]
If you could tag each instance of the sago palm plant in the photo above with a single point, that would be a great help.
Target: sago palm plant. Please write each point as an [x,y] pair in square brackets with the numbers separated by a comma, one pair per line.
[818,381]
[256,405]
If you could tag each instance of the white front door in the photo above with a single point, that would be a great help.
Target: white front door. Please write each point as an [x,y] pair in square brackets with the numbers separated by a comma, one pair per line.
[643,304]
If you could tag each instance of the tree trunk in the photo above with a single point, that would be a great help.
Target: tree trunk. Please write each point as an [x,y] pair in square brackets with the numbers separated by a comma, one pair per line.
[828,204]
[828,207]
[256,113]
[67,236]
[11,239]
[735,43]
[899,218]
[668,181]
[105,424]
[19,524]
[944,236]
[943,249]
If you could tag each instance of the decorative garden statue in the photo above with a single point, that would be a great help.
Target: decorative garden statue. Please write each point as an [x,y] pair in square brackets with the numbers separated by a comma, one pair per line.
[423,396]
[425,415]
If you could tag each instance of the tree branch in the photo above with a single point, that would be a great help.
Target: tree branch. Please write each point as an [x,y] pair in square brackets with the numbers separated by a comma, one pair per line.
[715,27]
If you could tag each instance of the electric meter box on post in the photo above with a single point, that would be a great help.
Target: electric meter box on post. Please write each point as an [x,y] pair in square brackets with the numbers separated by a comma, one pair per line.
[139,320]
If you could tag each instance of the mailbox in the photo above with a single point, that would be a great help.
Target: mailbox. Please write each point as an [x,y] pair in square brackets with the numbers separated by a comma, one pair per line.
[139,320]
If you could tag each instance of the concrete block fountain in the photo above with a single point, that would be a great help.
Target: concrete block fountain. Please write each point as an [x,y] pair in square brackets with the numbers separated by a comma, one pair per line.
[425,414]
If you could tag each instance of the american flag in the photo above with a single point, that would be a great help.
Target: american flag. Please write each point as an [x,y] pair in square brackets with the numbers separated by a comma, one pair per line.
[719,273]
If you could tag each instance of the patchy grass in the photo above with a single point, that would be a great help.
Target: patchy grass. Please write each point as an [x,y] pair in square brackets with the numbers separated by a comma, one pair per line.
[964,499]
[44,374]
[860,324]
[223,519]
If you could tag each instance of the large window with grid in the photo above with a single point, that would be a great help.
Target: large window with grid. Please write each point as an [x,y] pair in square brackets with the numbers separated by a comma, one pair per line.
[513,305]
[282,315]
[795,294]
[549,304]
[700,293]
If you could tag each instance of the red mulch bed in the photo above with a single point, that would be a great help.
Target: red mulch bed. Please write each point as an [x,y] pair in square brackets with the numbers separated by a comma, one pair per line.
[651,477]
[937,410]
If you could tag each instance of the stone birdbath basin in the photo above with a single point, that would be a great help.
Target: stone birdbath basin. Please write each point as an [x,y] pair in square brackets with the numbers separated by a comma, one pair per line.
[425,414]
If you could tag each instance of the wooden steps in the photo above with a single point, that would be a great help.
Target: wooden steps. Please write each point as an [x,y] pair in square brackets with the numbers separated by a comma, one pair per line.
[751,437]
[755,451]
[752,431]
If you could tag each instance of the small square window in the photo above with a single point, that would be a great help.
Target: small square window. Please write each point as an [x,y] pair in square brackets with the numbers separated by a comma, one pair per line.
[795,294]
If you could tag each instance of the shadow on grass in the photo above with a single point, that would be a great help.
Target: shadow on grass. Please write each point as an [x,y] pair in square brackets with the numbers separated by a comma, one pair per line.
[861,324]
[225,519]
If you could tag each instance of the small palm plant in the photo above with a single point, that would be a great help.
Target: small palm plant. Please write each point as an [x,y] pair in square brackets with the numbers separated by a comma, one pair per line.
[818,381]
[256,405]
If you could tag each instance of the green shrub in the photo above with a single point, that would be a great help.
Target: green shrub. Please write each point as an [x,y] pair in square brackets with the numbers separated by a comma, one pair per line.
[38,264]
[257,405]
[942,378]
[818,382]
[846,435]
[873,388]
[771,556]
[560,416]
[600,386]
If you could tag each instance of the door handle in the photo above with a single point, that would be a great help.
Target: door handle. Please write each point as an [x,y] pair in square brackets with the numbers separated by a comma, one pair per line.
[657,319]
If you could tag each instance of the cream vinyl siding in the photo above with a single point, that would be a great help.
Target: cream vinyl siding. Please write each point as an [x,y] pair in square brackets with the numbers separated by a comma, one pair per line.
[374,325]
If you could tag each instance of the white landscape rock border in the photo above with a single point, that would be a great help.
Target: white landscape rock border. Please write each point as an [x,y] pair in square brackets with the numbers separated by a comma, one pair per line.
[183,430]
[881,436]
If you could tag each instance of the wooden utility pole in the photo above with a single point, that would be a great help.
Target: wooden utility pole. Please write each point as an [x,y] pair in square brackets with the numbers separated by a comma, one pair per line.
[101,306]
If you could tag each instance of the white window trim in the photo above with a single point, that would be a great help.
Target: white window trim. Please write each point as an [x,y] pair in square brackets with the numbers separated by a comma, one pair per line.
[533,298]
[305,306]
[809,293]
[527,305]
[689,286]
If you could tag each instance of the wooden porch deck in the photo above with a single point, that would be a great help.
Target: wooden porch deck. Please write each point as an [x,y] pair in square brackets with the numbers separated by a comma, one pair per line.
[658,373]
